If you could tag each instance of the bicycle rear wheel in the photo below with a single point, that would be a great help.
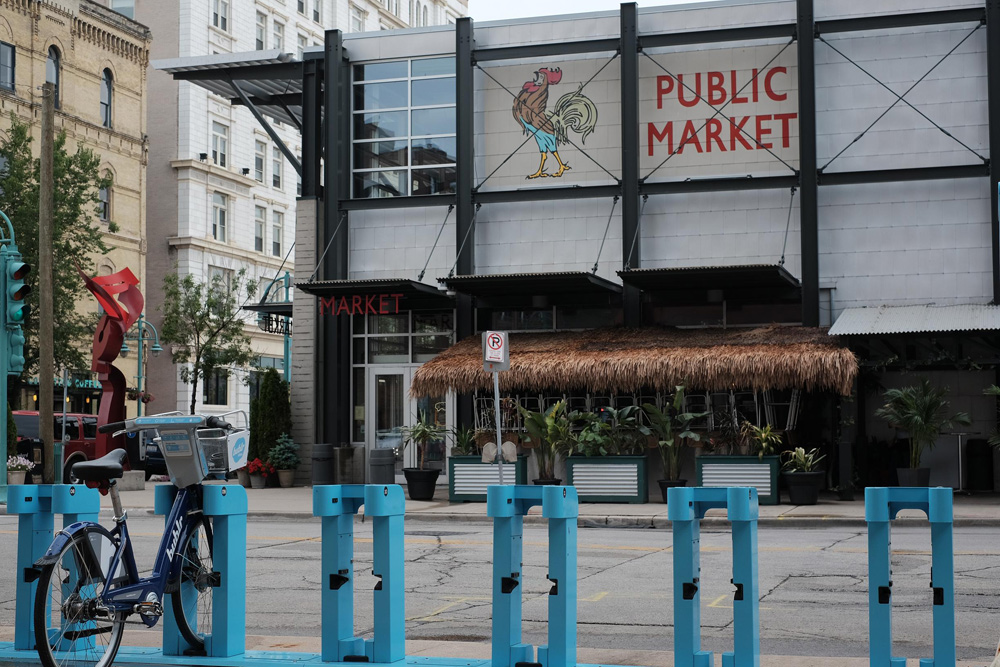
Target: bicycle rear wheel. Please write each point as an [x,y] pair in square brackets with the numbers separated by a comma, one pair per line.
[192,598]
[71,623]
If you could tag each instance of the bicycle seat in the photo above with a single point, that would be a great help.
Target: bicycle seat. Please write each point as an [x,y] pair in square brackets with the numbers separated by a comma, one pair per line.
[109,466]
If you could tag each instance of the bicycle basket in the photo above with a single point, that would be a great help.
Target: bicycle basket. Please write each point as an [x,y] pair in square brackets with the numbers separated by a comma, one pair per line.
[213,442]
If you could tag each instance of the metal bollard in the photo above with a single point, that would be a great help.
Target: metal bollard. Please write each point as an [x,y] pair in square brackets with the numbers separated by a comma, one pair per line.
[337,504]
[881,507]
[507,505]
[685,508]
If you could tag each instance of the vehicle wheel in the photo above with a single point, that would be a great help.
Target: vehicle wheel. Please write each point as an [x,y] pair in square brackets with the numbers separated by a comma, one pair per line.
[192,598]
[67,477]
[149,474]
[68,609]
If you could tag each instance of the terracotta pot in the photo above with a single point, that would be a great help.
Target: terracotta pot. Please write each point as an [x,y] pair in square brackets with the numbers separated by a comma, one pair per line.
[286,478]
[258,481]
[16,477]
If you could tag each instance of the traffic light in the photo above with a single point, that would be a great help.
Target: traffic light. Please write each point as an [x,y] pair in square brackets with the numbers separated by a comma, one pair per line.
[15,272]
[15,354]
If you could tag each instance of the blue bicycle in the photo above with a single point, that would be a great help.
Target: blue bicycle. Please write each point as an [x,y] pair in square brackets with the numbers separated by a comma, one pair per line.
[89,585]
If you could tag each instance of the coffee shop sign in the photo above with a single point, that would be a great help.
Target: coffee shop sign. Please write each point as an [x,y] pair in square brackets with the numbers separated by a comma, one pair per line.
[360,304]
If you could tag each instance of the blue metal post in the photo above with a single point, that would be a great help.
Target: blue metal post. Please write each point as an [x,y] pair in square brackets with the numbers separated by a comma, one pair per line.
[881,507]
[685,508]
[561,507]
[33,505]
[227,505]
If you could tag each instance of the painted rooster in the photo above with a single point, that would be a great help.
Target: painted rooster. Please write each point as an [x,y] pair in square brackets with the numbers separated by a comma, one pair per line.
[574,111]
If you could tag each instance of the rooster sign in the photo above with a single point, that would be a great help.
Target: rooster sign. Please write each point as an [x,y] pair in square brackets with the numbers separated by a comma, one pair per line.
[574,111]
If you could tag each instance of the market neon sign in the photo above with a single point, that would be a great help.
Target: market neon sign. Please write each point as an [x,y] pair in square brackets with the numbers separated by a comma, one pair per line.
[360,304]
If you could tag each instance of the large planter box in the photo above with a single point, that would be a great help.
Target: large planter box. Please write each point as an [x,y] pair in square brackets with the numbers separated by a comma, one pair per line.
[468,477]
[760,473]
[608,479]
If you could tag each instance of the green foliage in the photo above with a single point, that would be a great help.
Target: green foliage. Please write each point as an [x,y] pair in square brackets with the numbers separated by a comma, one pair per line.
[205,326]
[423,433]
[922,411]
[590,435]
[764,440]
[610,433]
[799,460]
[76,238]
[994,439]
[285,454]
[270,415]
[464,441]
[673,429]
[551,433]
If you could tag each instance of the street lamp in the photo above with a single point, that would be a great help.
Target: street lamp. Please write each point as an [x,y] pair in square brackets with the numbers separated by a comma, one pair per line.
[144,331]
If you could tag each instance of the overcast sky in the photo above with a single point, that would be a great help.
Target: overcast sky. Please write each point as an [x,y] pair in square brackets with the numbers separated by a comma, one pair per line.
[492,10]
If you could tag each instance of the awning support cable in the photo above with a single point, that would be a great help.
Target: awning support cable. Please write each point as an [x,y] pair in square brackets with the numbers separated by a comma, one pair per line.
[899,98]
[601,249]
[635,237]
[343,216]
[467,233]
[451,207]
[718,112]
[788,224]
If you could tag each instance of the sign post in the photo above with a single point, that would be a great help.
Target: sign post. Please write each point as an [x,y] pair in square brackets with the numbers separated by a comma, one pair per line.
[496,358]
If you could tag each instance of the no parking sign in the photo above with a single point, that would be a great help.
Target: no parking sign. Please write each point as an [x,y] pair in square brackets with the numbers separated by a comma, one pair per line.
[496,351]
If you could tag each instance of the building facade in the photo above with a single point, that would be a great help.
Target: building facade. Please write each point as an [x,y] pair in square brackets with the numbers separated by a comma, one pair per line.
[97,59]
[224,189]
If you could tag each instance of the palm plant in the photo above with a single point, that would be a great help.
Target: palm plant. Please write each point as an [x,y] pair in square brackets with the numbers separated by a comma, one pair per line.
[764,440]
[922,411]
[799,460]
[673,429]
[551,434]
[423,433]
[464,439]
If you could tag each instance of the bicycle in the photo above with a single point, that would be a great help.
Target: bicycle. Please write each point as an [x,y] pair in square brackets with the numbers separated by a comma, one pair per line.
[89,584]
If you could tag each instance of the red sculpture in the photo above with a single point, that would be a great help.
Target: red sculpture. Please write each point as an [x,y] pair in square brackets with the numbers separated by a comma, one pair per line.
[108,341]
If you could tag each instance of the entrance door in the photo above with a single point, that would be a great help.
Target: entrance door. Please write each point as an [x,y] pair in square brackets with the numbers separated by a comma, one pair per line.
[394,410]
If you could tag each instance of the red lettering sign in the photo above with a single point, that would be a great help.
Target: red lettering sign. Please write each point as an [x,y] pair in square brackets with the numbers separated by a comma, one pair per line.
[361,304]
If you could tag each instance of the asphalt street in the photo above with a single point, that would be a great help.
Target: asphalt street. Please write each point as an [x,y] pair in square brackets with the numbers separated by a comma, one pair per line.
[813,585]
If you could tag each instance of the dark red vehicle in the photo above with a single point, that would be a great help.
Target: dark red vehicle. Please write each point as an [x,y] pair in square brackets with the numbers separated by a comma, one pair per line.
[81,436]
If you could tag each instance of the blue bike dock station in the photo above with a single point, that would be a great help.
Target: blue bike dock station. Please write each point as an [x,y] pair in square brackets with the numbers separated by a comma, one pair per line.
[337,505]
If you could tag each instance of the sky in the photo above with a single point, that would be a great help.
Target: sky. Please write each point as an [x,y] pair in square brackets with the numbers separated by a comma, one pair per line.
[493,10]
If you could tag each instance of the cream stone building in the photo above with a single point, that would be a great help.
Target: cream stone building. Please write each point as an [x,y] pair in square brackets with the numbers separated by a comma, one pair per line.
[97,58]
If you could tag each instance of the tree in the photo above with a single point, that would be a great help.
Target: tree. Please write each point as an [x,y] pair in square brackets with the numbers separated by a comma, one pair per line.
[922,411]
[270,415]
[203,323]
[77,237]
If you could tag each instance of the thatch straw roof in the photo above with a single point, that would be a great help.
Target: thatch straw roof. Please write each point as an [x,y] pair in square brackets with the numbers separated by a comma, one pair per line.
[628,360]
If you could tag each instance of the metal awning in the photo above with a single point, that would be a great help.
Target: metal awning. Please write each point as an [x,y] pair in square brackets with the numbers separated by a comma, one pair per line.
[279,308]
[927,318]
[413,295]
[749,276]
[549,287]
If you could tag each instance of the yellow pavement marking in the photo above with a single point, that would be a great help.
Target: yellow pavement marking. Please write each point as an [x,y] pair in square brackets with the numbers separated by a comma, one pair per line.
[597,597]
[715,604]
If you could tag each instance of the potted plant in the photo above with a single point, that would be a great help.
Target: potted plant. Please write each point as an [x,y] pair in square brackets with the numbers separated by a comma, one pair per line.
[758,467]
[469,475]
[259,471]
[802,475]
[17,467]
[921,411]
[608,461]
[549,433]
[284,456]
[421,482]
[673,430]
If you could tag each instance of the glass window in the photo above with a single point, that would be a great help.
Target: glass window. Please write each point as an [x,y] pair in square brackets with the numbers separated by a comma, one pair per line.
[107,89]
[276,167]
[317,10]
[220,205]
[390,95]
[433,181]
[429,92]
[426,348]
[301,6]
[277,224]
[261,33]
[388,350]
[433,121]
[124,7]
[423,17]
[216,391]
[279,36]
[382,154]
[259,221]
[358,430]
[357,19]
[396,69]
[220,143]
[301,43]
[259,156]
[398,323]
[380,125]
[89,428]
[220,14]
[104,204]
[52,70]
[431,322]
[439,150]
[369,184]
[6,66]
[434,67]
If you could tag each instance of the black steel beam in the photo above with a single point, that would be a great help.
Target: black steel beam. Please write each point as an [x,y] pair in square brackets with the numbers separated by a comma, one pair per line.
[465,183]
[993,92]
[631,236]
[808,184]
[726,184]
[545,50]
[275,137]
[901,175]
[900,20]
[270,72]
[387,203]
[547,194]
[748,33]
[312,112]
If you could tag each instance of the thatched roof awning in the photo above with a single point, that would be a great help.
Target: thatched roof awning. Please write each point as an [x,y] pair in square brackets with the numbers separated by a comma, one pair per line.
[628,360]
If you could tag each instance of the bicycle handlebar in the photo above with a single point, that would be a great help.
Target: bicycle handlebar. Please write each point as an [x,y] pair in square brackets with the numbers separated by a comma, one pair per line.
[113,426]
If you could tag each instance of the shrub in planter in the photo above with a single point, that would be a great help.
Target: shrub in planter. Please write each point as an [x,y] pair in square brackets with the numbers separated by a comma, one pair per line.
[673,430]
[550,434]
[284,456]
[270,414]
[802,475]
[421,482]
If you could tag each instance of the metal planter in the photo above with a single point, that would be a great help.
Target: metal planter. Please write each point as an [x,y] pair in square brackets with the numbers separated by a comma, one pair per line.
[468,477]
[608,479]
[760,473]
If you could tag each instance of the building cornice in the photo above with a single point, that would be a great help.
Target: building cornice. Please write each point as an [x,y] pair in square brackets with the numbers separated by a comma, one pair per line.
[223,177]
[216,248]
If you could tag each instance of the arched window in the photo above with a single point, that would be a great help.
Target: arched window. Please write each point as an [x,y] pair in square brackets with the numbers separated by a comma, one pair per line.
[107,89]
[52,70]
[424,16]
[409,17]
[104,201]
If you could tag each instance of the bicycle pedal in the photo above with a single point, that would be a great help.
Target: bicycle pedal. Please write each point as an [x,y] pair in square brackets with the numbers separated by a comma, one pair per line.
[148,609]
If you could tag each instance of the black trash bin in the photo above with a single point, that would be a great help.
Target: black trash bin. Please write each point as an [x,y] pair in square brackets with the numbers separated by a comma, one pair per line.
[382,464]
[322,464]
[979,466]
[348,464]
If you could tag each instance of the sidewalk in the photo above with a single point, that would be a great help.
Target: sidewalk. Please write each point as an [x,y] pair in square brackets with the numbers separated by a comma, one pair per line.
[296,503]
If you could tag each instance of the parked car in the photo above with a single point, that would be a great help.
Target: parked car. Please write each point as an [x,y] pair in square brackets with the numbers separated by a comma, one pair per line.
[79,444]
[152,457]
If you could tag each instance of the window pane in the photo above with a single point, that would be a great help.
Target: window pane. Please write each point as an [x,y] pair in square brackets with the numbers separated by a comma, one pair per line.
[438,150]
[433,121]
[385,124]
[7,66]
[426,348]
[358,431]
[358,322]
[388,350]
[358,354]
[389,324]
[377,71]
[433,91]
[380,154]
[380,96]
[433,66]
[380,184]
[434,181]
[433,322]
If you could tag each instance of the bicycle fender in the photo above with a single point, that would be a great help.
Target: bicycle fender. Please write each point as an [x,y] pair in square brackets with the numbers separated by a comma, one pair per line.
[64,536]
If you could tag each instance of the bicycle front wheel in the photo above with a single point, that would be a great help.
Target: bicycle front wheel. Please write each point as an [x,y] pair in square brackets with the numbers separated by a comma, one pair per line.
[72,625]
[192,598]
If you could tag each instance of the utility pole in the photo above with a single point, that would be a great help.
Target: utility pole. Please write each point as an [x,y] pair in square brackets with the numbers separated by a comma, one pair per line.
[46,362]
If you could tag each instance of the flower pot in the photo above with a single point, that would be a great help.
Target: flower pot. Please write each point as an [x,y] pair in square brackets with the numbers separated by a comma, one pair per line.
[286,478]
[669,484]
[420,484]
[243,477]
[258,481]
[16,477]
[546,482]
[914,476]
[803,487]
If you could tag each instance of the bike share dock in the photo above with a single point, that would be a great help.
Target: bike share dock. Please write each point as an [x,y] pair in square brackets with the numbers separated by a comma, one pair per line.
[507,506]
